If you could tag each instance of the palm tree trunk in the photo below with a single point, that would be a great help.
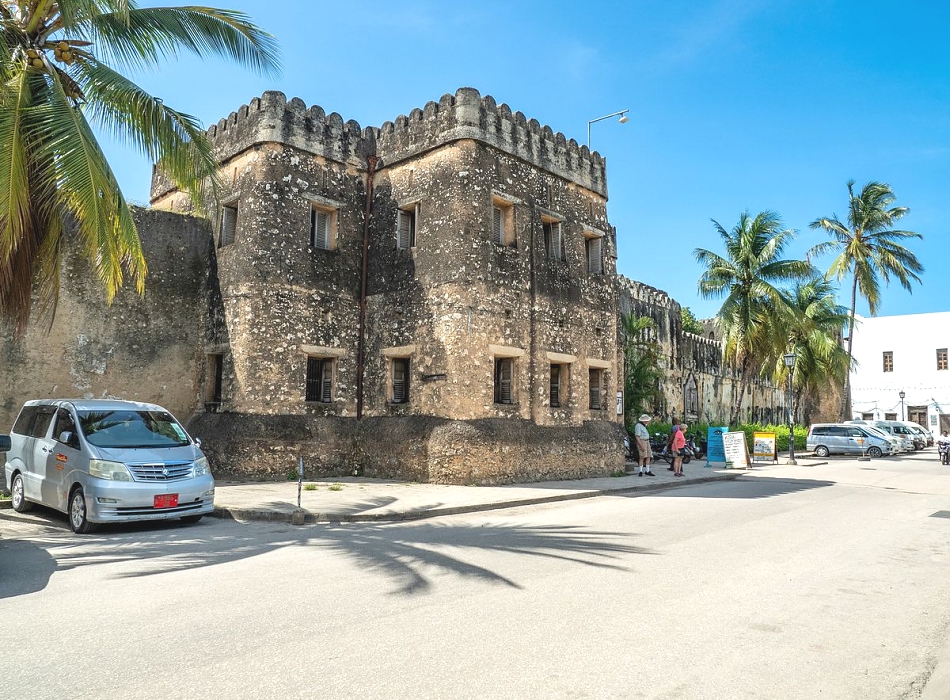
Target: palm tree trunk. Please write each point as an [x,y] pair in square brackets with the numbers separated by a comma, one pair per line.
[737,403]
[846,393]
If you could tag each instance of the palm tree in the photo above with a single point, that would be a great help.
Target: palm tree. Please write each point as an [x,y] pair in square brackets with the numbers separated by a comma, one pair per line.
[747,276]
[870,250]
[642,372]
[813,330]
[57,81]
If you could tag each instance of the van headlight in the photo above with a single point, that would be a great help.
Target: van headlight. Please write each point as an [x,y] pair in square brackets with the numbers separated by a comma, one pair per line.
[113,471]
[200,467]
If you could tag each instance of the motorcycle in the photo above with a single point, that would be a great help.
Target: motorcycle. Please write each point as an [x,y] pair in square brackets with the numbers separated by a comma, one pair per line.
[943,449]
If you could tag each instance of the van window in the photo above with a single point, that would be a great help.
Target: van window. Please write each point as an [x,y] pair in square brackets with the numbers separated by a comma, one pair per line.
[128,429]
[64,422]
[821,430]
[24,422]
[854,432]
[44,416]
[837,431]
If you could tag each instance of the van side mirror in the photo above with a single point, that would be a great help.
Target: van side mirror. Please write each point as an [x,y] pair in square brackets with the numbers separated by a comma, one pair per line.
[69,438]
[5,443]
[198,443]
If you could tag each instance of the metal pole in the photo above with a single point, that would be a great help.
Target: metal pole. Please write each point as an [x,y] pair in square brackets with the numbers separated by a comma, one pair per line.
[791,420]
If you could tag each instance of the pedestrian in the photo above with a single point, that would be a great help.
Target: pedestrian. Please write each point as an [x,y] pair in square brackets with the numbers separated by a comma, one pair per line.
[644,454]
[679,442]
[668,450]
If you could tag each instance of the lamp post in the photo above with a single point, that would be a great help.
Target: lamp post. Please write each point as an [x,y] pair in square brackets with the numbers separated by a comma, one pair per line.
[790,364]
[623,120]
[902,395]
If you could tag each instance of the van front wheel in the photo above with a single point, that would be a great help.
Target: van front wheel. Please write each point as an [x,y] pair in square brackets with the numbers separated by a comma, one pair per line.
[875,452]
[821,451]
[20,504]
[77,512]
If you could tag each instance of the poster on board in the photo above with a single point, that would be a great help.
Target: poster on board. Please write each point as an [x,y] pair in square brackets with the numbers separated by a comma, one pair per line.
[715,456]
[733,444]
[764,448]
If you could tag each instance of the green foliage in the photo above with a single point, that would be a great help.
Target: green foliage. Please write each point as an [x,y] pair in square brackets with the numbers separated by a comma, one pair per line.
[643,373]
[335,487]
[63,69]
[310,487]
[690,324]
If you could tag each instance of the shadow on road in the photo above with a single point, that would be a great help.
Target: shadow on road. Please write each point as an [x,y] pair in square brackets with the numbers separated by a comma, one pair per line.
[751,487]
[403,552]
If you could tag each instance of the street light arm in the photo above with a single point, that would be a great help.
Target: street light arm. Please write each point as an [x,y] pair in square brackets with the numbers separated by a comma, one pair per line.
[600,119]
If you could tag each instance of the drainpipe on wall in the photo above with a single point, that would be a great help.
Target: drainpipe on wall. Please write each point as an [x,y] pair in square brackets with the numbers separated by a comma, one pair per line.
[361,342]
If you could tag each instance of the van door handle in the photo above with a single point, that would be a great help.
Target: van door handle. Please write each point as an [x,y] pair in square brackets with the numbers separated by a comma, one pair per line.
[46,449]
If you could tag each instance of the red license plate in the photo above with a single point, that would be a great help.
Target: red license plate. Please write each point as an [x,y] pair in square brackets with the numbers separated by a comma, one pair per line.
[166,500]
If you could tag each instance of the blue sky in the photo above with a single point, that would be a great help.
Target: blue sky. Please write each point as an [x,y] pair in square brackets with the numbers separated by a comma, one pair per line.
[734,105]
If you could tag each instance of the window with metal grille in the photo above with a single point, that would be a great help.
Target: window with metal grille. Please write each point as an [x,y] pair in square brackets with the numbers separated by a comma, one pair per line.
[553,240]
[598,390]
[942,358]
[229,213]
[595,255]
[406,221]
[319,379]
[888,361]
[400,380]
[504,380]
[558,374]
[890,416]
[322,222]
[867,416]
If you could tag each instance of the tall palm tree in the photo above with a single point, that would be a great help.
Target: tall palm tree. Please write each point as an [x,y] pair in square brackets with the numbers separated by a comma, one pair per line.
[813,331]
[747,276]
[61,73]
[869,250]
[642,372]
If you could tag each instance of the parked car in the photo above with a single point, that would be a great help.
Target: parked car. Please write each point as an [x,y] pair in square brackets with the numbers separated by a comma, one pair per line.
[921,431]
[106,461]
[844,438]
[898,429]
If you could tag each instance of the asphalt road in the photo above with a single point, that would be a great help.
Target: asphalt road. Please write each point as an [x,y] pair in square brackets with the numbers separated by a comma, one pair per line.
[818,582]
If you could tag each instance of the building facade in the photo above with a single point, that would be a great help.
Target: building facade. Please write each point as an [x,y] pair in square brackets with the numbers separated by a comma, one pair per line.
[902,354]
[435,299]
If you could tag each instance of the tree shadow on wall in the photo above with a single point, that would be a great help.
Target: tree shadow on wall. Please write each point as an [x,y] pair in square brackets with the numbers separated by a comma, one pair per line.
[401,552]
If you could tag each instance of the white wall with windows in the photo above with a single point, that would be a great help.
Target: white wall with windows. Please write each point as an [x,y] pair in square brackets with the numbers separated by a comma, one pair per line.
[907,354]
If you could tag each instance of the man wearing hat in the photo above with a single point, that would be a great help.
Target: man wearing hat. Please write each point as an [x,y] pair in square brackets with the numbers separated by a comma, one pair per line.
[642,436]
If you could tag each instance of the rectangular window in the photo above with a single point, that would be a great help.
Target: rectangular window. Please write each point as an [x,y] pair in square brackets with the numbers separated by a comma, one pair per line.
[553,240]
[595,254]
[213,382]
[406,220]
[867,416]
[504,380]
[400,380]
[890,416]
[322,228]
[229,213]
[557,375]
[888,361]
[503,228]
[598,390]
[319,379]
[942,358]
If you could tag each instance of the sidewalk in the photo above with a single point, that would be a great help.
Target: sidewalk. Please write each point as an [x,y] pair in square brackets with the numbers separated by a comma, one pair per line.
[357,499]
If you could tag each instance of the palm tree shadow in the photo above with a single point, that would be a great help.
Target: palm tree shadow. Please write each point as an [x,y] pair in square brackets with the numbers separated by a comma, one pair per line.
[402,552]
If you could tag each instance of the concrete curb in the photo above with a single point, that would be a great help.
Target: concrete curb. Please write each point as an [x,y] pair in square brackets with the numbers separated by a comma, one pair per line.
[268,515]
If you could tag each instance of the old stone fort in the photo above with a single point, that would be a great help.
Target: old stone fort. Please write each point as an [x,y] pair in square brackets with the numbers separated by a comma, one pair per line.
[435,299]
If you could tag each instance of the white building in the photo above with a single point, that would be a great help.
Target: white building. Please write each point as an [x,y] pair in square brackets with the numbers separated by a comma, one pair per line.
[906,354]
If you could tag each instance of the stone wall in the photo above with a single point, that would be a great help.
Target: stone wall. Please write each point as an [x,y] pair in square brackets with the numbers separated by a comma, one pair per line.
[142,348]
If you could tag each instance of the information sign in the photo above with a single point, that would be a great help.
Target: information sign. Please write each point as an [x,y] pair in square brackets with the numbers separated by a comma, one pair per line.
[733,444]
[764,448]
[715,456]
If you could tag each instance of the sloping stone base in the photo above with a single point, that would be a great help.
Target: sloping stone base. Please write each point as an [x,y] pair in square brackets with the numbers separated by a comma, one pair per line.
[413,448]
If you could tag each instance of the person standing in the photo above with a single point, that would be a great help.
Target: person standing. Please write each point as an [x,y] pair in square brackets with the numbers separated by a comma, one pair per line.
[644,454]
[679,442]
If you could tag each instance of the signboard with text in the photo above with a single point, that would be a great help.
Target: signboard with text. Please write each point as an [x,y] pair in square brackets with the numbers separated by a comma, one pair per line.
[764,448]
[715,456]
[733,444]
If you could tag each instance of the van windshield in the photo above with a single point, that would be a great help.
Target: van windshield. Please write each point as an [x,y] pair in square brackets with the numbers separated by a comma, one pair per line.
[128,429]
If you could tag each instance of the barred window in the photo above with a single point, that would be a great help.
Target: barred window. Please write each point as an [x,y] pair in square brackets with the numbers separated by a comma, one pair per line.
[888,361]
[229,214]
[319,379]
[400,380]
[504,380]
[942,358]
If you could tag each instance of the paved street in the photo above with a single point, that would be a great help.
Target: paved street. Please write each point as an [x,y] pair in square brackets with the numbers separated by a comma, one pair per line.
[824,581]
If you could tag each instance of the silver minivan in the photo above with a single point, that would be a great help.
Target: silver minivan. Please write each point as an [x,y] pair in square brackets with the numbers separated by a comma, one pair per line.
[103,461]
[843,438]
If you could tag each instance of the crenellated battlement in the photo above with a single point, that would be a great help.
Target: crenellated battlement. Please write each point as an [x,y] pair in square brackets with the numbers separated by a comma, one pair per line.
[272,118]
[650,295]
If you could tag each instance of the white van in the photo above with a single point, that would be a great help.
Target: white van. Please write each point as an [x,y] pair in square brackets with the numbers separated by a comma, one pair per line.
[105,461]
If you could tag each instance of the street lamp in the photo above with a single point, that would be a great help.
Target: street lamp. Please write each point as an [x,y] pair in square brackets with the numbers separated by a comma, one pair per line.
[790,363]
[902,395]
[623,120]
